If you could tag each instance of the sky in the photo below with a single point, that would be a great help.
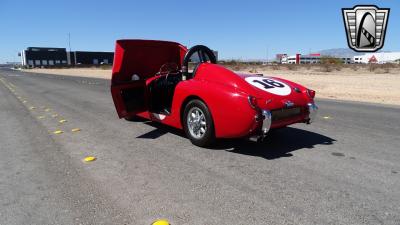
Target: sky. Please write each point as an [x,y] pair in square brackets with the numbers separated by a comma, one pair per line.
[236,29]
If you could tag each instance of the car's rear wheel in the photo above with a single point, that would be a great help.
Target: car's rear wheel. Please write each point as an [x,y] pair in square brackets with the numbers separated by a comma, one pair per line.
[198,123]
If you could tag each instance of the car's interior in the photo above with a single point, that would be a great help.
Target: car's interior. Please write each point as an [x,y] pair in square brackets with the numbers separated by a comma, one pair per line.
[162,89]
[154,90]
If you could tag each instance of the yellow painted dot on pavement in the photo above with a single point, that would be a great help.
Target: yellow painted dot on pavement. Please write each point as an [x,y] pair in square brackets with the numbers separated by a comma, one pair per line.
[326,117]
[89,159]
[32,107]
[62,121]
[58,132]
[76,130]
[160,222]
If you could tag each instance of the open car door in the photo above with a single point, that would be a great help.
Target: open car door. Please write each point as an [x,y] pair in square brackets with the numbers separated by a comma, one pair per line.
[134,62]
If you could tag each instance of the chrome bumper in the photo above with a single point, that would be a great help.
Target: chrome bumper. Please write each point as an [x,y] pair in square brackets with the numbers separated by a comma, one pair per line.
[312,112]
[267,121]
[266,118]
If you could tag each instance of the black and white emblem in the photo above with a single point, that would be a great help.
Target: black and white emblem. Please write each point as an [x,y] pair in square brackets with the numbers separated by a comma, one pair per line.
[365,27]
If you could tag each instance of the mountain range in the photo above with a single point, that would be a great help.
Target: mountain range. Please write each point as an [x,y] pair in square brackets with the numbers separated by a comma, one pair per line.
[340,52]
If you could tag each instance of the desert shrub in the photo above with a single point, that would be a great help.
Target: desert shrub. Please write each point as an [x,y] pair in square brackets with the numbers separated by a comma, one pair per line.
[253,70]
[326,68]
[291,66]
[307,66]
[329,63]
[338,67]
[105,67]
[254,63]
[231,62]
[331,60]
[372,67]
[275,67]
[354,67]
[236,67]
[387,67]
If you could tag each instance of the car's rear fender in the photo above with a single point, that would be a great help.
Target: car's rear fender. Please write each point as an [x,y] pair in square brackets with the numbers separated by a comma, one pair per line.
[229,107]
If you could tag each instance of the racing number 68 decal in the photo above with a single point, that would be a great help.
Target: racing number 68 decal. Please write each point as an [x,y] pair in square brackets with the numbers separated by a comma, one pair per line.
[269,85]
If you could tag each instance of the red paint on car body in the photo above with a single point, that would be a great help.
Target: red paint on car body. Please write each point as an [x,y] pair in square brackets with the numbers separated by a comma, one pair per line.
[223,91]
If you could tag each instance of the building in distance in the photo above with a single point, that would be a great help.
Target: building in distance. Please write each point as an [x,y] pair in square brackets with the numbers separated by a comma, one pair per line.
[56,57]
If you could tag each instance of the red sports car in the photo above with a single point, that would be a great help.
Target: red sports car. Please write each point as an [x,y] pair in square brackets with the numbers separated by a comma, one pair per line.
[185,88]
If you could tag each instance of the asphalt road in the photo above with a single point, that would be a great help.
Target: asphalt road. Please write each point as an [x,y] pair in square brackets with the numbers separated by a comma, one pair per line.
[343,169]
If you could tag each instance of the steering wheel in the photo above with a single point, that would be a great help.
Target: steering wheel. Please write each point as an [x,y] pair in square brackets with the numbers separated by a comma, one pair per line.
[205,55]
[166,68]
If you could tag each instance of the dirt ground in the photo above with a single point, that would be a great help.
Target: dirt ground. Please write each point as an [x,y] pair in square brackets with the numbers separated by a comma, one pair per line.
[79,72]
[347,84]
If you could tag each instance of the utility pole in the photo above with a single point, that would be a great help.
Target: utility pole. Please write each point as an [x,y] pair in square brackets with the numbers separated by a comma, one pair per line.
[69,41]
[69,60]
[267,55]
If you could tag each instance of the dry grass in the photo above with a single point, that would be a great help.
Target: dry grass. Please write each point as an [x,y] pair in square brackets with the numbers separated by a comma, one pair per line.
[365,83]
[326,67]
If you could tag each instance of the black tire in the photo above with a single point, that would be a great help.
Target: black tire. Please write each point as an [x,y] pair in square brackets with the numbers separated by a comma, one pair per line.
[208,137]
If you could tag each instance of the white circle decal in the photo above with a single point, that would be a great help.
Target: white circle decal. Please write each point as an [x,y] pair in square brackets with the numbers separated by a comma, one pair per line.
[269,85]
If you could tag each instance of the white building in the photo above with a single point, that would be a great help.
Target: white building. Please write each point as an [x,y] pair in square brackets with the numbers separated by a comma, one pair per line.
[309,59]
[377,57]
[301,59]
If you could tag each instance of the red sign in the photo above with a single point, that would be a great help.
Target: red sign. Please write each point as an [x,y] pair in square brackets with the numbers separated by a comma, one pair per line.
[372,59]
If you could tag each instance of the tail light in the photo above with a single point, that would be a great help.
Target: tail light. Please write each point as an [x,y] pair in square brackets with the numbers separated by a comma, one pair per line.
[310,93]
[252,102]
